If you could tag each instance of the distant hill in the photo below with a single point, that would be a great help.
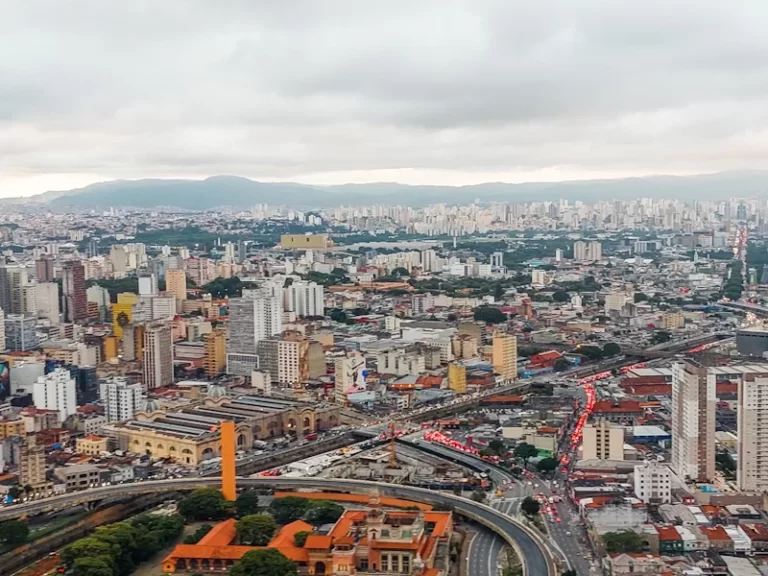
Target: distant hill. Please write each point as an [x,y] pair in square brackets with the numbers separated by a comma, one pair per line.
[234,191]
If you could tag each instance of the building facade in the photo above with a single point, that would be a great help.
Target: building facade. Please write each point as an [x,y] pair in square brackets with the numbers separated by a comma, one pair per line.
[20,333]
[56,391]
[752,426]
[653,483]
[75,296]
[505,355]
[158,356]
[304,298]
[252,318]
[603,440]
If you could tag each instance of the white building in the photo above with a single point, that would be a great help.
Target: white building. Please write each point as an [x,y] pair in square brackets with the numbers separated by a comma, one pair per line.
[56,391]
[304,298]
[252,318]
[148,285]
[694,399]
[653,483]
[349,372]
[121,399]
[584,251]
[2,330]
[158,356]
[752,426]
[47,296]
[616,300]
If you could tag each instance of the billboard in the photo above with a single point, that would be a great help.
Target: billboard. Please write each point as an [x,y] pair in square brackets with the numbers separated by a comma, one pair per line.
[5,380]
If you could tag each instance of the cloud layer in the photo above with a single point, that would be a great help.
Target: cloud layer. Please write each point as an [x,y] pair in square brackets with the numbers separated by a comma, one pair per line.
[441,91]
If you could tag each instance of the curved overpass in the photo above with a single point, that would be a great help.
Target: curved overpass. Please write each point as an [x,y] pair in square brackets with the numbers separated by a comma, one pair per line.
[530,547]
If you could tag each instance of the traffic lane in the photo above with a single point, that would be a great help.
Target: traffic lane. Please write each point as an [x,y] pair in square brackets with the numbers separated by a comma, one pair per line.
[483,553]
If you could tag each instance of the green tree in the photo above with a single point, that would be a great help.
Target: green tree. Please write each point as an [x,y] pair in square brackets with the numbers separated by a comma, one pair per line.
[256,529]
[498,292]
[560,296]
[530,506]
[14,532]
[546,465]
[611,349]
[269,562]
[661,336]
[489,315]
[400,271]
[92,566]
[640,297]
[15,492]
[339,316]
[198,534]
[525,452]
[288,509]
[561,364]
[247,503]
[570,572]
[203,504]
[323,512]
[591,352]
[89,547]
[497,447]
[478,496]
[300,538]
[625,541]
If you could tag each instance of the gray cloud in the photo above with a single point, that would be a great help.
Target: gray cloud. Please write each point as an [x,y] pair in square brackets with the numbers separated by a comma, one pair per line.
[340,89]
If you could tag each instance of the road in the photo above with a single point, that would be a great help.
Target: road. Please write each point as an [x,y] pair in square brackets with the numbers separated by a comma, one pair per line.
[533,549]
[483,553]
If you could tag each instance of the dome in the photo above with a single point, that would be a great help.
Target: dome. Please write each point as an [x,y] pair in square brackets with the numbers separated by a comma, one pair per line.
[215,392]
[151,405]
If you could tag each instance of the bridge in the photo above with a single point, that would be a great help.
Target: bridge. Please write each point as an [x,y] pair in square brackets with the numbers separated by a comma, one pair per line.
[530,546]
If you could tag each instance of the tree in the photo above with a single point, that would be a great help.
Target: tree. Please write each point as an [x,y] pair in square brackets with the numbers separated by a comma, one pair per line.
[400,271]
[560,296]
[203,504]
[15,492]
[546,465]
[498,292]
[247,503]
[90,547]
[661,336]
[530,506]
[269,562]
[640,297]
[561,364]
[323,512]
[497,447]
[570,572]
[256,529]
[611,349]
[489,315]
[300,538]
[478,496]
[198,534]
[92,566]
[525,452]
[286,510]
[14,532]
[625,541]
[339,316]
[591,352]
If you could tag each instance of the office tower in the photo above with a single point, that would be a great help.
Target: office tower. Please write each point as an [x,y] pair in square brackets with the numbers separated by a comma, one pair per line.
[14,280]
[147,285]
[118,256]
[86,384]
[285,358]
[47,301]
[121,399]
[504,355]
[215,361]
[158,356]
[92,249]
[56,391]
[176,284]
[497,260]
[100,296]
[159,307]
[304,298]
[693,421]
[349,373]
[44,269]
[242,251]
[75,297]
[457,377]
[603,441]
[31,463]
[587,251]
[2,330]
[252,318]
[133,342]
[229,253]
[653,483]
[20,333]
[752,426]
[5,289]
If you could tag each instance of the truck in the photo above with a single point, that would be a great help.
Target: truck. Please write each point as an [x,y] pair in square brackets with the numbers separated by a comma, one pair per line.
[259,444]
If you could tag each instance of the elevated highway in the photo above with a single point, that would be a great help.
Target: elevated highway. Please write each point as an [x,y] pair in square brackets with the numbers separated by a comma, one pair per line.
[530,546]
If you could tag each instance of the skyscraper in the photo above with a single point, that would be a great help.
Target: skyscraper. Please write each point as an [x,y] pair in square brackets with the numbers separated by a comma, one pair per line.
[215,353]
[2,330]
[255,316]
[587,251]
[176,284]
[505,355]
[693,420]
[752,426]
[121,399]
[158,356]
[56,391]
[44,269]
[304,298]
[75,296]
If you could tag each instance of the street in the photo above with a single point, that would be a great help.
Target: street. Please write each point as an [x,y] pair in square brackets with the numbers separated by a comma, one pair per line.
[483,553]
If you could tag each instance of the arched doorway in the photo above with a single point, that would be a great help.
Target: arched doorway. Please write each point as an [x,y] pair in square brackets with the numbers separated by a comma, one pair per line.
[319,567]
[240,440]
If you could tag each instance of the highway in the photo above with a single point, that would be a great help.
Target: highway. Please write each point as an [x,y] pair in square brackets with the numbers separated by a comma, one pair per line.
[530,546]
[483,553]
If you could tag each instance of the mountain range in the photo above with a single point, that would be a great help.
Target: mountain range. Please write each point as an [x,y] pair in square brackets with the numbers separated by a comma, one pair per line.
[234,191]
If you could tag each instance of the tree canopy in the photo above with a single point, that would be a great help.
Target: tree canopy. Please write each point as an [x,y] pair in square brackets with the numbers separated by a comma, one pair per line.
[256,529]
[267,562]
[247,502]
[530,506]
[13,533]
[546,465]
[625,541]
[525,452]
[611,349]
[203,504]
[489,315]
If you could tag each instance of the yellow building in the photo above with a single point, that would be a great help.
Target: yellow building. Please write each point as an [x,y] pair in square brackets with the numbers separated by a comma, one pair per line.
[457,378]
[110,347]
[673,320]
[176,284]
[305,241]
[122,314]
[215,353]
[11,428]
[504,356]
[91,445]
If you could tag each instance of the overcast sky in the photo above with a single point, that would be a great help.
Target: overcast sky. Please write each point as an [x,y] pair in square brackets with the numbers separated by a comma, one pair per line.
[416,91]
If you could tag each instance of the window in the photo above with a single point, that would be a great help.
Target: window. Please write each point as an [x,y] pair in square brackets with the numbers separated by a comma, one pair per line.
[363,565]
[406,564]
[385,563]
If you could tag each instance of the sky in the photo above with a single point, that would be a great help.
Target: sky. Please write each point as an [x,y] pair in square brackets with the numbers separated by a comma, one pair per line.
[419,92]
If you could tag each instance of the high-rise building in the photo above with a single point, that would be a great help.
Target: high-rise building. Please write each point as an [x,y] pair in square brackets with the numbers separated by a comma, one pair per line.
[752,426]
[86,384]
[32,463]
[20,333]
[285,358]
[5,289]
[457,377]
[121,399]
[603,441]
[99,296]
[47,297]
[56,391]
[215,361]
[504,353]
[147,285]
[587,251]
[694,400]
[252,318]
[75,296]
[2,330]
[176,283]
[44,269]
[304,298]
[158,356]
[349,372]
[653,483]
